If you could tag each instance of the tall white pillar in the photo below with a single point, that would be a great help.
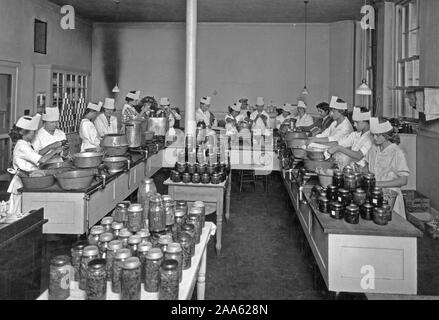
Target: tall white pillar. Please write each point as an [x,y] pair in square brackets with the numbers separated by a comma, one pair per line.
[191,63]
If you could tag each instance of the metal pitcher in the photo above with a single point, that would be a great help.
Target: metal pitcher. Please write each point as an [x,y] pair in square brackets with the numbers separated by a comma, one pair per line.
[134,130]
[158,125]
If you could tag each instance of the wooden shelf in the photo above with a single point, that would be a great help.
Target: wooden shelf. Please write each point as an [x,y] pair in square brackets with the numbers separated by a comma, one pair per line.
[414,88]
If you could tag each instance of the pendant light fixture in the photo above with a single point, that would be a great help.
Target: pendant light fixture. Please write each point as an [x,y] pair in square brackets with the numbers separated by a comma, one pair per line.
[116,87]
[305,89]
[363,89]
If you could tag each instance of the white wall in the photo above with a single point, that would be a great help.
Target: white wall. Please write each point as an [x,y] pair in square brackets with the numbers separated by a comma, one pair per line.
[65,48]
[233,60]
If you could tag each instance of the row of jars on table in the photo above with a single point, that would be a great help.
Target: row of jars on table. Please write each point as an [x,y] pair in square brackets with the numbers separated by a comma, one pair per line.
[214,173]
[127,258]
[352,196]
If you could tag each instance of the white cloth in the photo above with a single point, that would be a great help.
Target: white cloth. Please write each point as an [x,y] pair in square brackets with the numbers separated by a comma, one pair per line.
[336,132]
[387,165]
[431,106]
[43,138]
[89,135]
[129,112]
[102,125]
[305,121]
[357,142]
[205,117]
[259,124]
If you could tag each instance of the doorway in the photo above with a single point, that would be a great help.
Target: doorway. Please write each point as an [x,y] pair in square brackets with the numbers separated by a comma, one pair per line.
[8,101]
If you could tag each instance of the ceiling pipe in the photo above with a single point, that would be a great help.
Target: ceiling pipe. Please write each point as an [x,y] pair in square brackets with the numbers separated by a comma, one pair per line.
[191,63]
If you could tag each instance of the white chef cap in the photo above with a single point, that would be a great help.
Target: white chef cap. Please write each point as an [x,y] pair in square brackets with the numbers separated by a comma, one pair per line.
[301,104]
[51,114]
[134,96]
[164,101]
[109,104]
[288,107]
[377,128]
[260,101]
[337,105]
[206,100]
[236,107]
[360,116]
[28,122]
[95,107]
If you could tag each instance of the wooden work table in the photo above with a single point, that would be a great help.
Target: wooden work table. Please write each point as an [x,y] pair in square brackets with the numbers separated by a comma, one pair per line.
[362,257]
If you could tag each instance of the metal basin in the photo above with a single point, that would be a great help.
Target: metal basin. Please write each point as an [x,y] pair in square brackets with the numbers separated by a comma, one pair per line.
[315,154]
[87,159]
[76,179]
[112,151]
[114,140]
[37,183]
[158,125]
[116,164]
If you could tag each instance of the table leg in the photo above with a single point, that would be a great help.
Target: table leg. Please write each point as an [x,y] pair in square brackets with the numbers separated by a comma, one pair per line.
[201,281]
[229,189]
[219,220]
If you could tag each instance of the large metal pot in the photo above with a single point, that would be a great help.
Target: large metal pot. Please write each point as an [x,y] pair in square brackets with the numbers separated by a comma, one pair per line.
[158,125]
[76,179]
[114,140]
[134,131]
[290,135]
[87,159]
[37,183]
[117,164]
[115,151]
[57,165]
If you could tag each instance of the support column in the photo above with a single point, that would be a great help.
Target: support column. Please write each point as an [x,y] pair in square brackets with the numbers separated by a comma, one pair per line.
[191,60]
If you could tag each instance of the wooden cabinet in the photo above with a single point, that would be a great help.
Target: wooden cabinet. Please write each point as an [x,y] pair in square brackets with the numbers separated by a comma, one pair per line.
[66,89]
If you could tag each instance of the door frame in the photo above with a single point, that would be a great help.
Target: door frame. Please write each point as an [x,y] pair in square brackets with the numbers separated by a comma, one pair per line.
[13,68]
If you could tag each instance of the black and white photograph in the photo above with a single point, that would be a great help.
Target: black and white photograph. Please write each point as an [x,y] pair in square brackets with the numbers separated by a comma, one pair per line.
[231,153]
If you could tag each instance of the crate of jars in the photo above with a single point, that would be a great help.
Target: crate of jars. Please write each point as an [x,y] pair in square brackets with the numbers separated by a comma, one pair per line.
[415,201]
[351,196]
[133,250]
[432,228]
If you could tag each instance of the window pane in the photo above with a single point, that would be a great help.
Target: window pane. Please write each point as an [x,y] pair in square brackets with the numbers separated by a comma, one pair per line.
[5,102]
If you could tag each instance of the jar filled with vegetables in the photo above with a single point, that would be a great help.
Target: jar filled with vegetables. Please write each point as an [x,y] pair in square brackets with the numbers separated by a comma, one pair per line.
[76,254]
[89,253]
[61,272]
[96,288]
[130,279]
[169,205]
[94,235]
[104,239]
[116,227]
[135,222]
[169,281]
[157,216]
[190,230]
[106,223]
[120,257]
[124,235]
[142,252]
[154,259]
[194,219]
[113,246]
[202,207]
[133,243]
[186,245]
[120,212]
[175,252]
[164,241]
[144,235]
[179,221]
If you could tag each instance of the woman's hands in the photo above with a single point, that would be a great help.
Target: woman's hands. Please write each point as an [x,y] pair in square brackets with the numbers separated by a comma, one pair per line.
[334,149]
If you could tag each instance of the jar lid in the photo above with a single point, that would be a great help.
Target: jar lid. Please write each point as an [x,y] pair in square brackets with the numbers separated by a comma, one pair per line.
[106,237]
[115,245]
[369,175]
[154,253]
[117,225]
[144,247]
[195,210]
[377,189]
[156,198]
[193,217]
[359,190]
[181,203]
[90,251]
[107,220]
[135,207]
[169,264]
[338,173]
[60,261]
[379,210]
[131,263]
[97,264]
[349,175]
[368,205]
[187,227]
[174,247]
[148,180]
[343,191]
[143,233]
[186,174]
[196,174]
[125,234]
[165,239]
[80,245]
[199,204]
[135,239]
[184,237]
[179,213]
[337,205]
[97,230]
[323,199]
[332,187]
[352,207]
[123,253]
[166,197]
[124,204]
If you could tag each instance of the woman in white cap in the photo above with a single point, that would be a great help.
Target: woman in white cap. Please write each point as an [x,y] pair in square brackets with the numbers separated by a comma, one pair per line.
[129,111]
[87,130]
[387,160]
[286,114]
[49,137]
[259,116]
[304,120]
[106,122]
[233,118]
[340,128]
[24,157]
[172,115]
[203,114]
[353,149]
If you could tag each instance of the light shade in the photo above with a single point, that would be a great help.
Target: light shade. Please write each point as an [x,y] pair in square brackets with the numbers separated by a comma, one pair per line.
[116,89]
[363,89]
[305,91]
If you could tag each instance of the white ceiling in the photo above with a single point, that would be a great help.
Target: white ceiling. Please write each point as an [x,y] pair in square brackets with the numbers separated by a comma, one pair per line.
[275,11]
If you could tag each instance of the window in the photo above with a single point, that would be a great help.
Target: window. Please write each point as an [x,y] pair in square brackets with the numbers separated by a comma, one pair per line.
[406,55]
[40,37]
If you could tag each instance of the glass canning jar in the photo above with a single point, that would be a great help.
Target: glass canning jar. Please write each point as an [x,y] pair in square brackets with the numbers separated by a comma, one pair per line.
[181,205]
[169,206]
[169,281]
[119,258]
[157,216]
[135,221]
[144,235]
[352,214]
[175,252]
[104,239]
[124,235]
[338,179]
[95,232]
[190,230]
[194,219]
[337,211]
[130,279]
[89,253]
[380,216]
[164,241]
[331,193]
[359,197]
[377,197]
[386,206]
[133,244]
[142,252]
[349,183]
[200,204]
[106,223]
[366,211]
[120,212]
[154,259]
[186,245]
[76,254]
[344,197]
[368,182]
[113,246]
[180,219]
[116,227]
[96,287]
[324,205]
[59,278]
